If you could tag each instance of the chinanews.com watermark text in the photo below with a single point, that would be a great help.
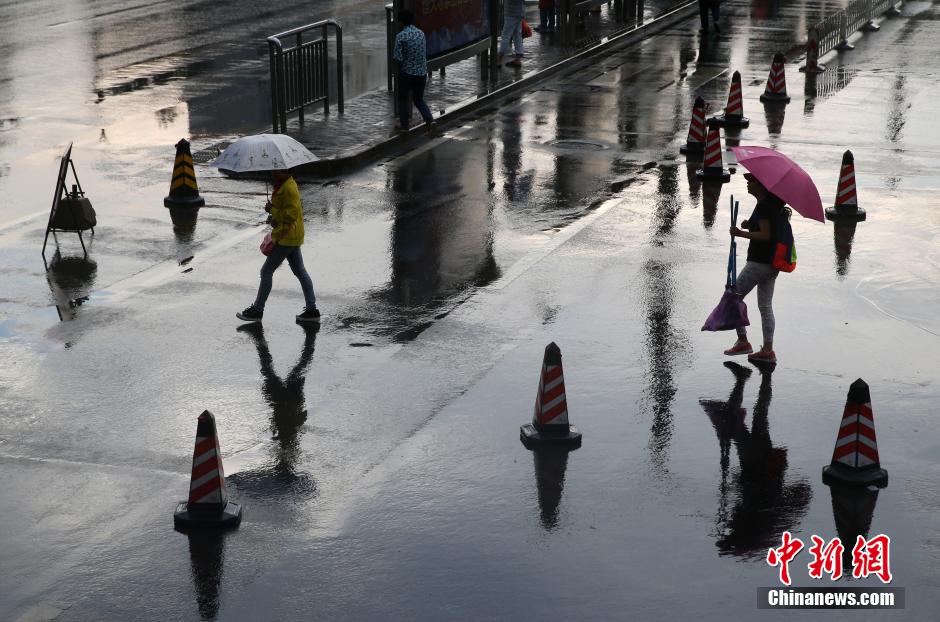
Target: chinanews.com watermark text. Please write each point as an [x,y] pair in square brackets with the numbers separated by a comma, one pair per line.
[830,598]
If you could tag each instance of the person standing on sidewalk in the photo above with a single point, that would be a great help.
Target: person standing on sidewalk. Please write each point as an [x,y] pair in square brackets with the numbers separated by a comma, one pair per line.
[704,6]
[759,271]
[546,16]
[286,214]
[513,14]
[412,55]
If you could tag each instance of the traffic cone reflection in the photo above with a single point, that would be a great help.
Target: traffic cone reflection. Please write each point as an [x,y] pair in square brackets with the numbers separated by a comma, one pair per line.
[550,466]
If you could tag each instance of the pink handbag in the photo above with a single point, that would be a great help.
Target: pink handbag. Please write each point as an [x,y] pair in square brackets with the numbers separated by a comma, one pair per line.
[267,245]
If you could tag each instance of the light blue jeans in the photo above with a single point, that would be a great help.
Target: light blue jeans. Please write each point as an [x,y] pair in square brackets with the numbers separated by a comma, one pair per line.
[512,32]
[273,262]
[764,277]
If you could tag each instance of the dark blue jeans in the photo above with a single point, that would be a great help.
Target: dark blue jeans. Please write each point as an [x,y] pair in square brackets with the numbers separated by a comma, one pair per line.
[273,262]
[408,83]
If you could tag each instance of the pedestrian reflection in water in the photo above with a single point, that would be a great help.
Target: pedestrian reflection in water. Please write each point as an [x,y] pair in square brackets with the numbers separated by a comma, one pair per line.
[550,466]
[843,234]
[280,478]
[755,503]
[70,279]
[206,554]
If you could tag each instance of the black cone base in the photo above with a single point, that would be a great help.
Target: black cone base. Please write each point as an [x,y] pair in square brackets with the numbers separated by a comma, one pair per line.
[226,518]
[692,149]
[531,437]
[845,214]
[721,176]
[775,98]
[819,69]
[196,201]
[840,474]
[725,120]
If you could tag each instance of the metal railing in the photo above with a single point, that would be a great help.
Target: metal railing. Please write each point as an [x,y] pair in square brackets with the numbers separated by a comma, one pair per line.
[834,30]
[300,74]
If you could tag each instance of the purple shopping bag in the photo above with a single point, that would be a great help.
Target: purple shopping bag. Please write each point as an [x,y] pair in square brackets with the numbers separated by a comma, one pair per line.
[731,311]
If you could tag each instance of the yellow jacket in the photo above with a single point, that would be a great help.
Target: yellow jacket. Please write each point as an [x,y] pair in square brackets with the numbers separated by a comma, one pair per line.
[288,215]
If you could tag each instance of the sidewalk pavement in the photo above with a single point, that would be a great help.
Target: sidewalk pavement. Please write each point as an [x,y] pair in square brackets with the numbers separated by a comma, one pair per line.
[365,131]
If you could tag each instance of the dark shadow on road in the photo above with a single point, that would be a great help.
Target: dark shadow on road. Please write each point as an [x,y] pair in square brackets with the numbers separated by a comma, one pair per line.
[755,503]
[843,234]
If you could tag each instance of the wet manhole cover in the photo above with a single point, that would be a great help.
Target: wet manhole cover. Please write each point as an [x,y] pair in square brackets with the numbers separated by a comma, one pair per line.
[583,145]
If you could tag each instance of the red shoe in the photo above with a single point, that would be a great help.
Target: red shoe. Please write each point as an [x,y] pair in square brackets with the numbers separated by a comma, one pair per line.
[739,348]
[763,356]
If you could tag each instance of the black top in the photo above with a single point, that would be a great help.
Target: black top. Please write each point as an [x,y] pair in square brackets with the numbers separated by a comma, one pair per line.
[761,251]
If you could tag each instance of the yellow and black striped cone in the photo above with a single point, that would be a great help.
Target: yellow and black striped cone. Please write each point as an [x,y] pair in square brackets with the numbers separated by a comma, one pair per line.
[183,189]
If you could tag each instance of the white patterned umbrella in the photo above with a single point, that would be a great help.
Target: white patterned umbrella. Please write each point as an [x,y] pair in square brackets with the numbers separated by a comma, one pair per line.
[263,152]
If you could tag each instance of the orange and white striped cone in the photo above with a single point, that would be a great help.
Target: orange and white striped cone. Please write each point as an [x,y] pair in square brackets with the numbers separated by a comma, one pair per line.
[695,143]
[776,90]
[846,207]
[183,189]
[208,504]
[550,420]
[855,457]
[812,53]
[712,167]
[734,111]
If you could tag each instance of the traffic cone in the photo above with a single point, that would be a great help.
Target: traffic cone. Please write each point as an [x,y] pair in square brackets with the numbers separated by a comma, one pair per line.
[812,54]
[855,457]
[776,90]
[550,420]
[183,189]
[734,111]
[208,504]
[846,207]
[695,143]
[712,167]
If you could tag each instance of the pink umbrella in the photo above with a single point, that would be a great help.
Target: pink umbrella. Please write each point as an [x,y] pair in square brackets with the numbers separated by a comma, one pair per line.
[784,178]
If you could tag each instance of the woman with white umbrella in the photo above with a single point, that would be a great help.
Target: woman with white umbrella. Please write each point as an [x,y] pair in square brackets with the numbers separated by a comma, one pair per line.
[276,153]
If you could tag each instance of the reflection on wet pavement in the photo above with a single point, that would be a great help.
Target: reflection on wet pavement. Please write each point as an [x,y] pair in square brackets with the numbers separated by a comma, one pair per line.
[758,503]
[281,478]
[206,559]
[550,466]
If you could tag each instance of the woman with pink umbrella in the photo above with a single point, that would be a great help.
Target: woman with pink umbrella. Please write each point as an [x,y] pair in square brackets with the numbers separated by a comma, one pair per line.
[774,180]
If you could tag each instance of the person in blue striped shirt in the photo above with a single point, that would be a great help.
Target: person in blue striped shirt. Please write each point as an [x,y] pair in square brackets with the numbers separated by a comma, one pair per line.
[411,53]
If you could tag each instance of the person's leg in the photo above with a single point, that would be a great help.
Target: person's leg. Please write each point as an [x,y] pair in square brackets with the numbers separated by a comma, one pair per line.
[551,19]
[703,13]
[404,106]
[273,261]
[747,280]
[417,92]
[543,20]
[509,26]
[765,299]
[517,41]
[296,261]
[715,6]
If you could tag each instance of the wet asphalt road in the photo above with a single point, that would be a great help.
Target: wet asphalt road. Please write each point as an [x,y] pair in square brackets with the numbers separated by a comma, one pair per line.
[378,459]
